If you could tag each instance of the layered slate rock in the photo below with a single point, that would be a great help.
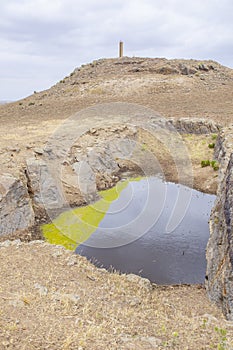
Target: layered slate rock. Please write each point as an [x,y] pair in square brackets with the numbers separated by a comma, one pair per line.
[42,185]
[195,126]
[219,275]
[16,213]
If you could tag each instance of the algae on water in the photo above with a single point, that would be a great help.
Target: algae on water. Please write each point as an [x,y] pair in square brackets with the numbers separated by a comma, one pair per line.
[75,226]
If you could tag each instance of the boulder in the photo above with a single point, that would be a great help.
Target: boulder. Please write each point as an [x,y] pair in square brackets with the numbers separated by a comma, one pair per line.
[43,185]
[85,180]
[16,211]
[101,160]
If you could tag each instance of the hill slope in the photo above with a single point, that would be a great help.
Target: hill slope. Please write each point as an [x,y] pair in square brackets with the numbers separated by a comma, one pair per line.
[174,88]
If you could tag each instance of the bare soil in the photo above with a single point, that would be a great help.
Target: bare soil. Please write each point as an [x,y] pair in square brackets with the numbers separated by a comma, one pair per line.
[52,299]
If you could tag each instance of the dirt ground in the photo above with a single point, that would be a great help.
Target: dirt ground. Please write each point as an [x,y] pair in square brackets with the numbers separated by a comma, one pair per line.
[52,299]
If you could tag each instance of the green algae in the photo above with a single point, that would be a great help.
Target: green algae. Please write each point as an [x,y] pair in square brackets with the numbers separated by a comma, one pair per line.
[75,226]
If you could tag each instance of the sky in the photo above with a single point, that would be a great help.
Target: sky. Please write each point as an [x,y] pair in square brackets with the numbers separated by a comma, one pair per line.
[42,41]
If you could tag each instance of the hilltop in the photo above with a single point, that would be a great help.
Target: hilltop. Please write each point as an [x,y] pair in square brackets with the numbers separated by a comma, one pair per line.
[173,88]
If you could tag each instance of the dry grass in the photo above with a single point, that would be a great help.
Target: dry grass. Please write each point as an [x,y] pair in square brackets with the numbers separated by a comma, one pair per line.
[53,299]
[195,147]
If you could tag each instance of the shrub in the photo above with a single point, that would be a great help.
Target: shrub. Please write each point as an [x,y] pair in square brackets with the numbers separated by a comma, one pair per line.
[214,136]
[222,345]
[211,145]
[205,163]
[144,147]
[215,165]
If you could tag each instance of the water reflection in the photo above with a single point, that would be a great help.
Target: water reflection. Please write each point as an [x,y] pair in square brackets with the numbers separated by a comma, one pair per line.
[162,256]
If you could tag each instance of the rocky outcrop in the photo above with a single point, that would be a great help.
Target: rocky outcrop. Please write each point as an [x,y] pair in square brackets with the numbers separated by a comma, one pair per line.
[42,186]
[195,126]
[86,180]
[96,161]
[16,213]
[219,274]
[223,150]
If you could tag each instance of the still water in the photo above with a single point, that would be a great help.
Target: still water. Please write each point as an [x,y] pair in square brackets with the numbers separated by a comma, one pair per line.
[155,229]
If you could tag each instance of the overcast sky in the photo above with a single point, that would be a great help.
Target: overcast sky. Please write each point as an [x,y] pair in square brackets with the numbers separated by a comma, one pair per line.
[41,41]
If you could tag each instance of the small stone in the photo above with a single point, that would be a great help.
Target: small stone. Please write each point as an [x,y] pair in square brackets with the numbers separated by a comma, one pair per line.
[17,303]
[39,241]
[66,297]
[57,254]
[39,151]
[93,131]
[134,302]
[154,342]
[203,67]
[141,282]
[6,343]
[17,243]
[5,244]
[209,318]
[14,149]
[72,261]
[42,290]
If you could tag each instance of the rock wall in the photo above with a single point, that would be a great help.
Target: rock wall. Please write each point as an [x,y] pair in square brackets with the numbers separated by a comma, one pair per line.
[106,152]
[195,126]
[219,253]
[16,213]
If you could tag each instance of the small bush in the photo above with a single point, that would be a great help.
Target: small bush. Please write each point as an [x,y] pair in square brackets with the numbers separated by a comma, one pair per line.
[144,147]
[205,163]
[31,103]
[222,345]
[211,145]
[215,165]
[214,136]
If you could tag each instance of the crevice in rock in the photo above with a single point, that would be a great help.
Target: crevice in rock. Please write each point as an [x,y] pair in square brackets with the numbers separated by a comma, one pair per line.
[28,185]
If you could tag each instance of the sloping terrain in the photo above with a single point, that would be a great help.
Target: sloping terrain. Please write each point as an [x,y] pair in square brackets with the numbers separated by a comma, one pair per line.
[172,88]
[50,299]
[53,299]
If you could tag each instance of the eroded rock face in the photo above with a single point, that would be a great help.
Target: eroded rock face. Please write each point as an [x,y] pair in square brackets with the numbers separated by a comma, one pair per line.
[16,211]
[219,275]
[42,186]
[195,126]
[97,160]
